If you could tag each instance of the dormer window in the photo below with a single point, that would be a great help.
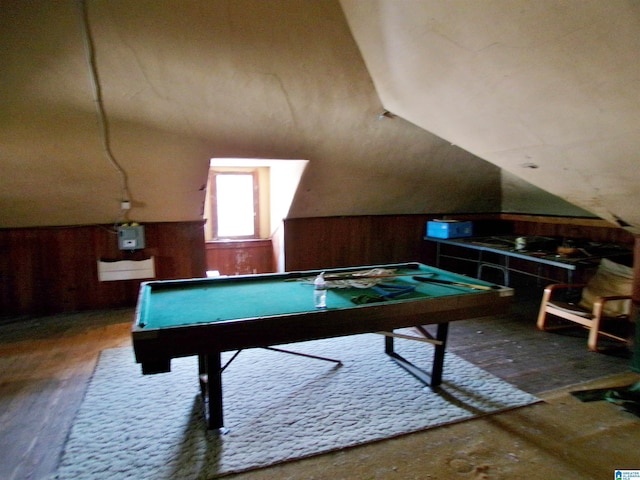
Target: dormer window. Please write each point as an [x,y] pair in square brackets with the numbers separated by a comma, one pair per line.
[247,198]
[235,204]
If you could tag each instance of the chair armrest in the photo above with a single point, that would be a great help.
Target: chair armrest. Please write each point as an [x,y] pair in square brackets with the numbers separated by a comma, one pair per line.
[612,297]
[599,302]
[563,286]
[554,290]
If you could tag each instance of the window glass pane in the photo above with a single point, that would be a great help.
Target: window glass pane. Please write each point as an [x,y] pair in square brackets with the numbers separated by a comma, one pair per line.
[234,205]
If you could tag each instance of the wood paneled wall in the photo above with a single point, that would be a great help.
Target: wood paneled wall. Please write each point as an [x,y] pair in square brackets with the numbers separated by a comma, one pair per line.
[346,241]
[327,242]
[576,228]
[240,257]
[52,270]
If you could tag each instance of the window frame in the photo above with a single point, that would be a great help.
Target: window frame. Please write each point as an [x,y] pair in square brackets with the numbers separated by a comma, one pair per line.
[213,201]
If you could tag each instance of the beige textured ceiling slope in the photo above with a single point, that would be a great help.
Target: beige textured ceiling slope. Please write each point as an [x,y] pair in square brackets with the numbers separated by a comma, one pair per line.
[547,90]
[185,81]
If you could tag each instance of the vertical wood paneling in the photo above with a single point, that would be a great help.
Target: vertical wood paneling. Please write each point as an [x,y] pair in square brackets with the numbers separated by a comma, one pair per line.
[240,257]
[53,270]
[569,231]
[326,242]
[347,241]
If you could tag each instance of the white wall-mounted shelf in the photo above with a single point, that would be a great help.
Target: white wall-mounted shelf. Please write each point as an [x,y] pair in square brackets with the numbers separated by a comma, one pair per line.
[126,269]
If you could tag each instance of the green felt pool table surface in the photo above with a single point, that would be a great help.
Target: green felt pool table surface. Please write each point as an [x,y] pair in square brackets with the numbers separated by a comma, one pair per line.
[197,301]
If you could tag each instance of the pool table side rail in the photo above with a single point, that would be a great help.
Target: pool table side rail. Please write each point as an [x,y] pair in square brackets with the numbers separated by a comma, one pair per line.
[156,347]
[149,287]
[286,276]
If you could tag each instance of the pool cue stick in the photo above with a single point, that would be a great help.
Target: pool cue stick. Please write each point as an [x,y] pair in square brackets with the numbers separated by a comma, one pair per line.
[356,276]
[474,286]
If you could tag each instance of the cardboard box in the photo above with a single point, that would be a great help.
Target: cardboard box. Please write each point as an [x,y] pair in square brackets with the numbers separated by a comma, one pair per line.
[449,229]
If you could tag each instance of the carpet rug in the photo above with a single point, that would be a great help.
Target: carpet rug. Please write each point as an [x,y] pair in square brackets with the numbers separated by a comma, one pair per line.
[278,407]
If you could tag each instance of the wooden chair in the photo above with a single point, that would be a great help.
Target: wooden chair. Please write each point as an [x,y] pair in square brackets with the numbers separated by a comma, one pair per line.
[606,298]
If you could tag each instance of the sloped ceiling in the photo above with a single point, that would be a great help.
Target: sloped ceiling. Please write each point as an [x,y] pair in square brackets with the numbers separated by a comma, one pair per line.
[475,87]
[546,90]
[184,81]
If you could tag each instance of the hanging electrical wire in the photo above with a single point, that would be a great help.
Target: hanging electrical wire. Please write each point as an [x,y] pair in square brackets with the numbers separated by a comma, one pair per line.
[97,95]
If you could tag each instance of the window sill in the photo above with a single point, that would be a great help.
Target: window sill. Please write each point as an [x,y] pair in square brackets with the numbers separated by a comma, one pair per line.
[238,243]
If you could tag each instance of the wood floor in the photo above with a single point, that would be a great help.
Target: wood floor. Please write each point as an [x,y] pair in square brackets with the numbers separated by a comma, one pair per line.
[46,363]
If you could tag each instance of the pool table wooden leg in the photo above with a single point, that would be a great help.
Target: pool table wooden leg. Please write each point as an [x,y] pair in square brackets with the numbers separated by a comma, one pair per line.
[210,369]
[438,355]
[437,367]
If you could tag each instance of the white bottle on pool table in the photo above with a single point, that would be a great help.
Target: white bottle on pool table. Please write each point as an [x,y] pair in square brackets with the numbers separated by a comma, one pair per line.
[320,291]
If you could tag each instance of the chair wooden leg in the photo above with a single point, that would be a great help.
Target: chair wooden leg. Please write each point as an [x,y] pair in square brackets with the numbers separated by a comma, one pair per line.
[542,314]
[594,330]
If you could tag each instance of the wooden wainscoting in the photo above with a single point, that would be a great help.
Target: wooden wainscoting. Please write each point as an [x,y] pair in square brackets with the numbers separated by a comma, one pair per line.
[51,270]
[240,257]
[325,242]
[594,229]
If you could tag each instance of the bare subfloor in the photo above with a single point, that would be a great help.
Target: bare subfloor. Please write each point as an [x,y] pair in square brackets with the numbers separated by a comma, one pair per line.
[45,365]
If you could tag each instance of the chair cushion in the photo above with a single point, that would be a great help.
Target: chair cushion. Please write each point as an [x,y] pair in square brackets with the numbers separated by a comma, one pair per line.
[610,279]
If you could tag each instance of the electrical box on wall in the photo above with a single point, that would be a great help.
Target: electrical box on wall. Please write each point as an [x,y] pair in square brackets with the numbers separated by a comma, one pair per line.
[131,237]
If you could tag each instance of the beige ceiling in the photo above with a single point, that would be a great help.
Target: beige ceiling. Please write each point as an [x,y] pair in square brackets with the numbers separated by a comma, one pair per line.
[547,90]
[481,92]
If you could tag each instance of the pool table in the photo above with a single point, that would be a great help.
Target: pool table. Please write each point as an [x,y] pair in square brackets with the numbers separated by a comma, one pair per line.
[207,316]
